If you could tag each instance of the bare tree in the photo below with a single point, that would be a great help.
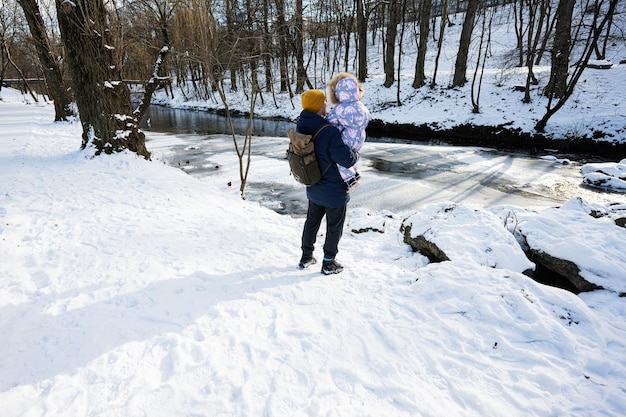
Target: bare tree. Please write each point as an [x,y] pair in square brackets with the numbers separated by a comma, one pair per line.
[393,17]
[267,49]
[442,28]
[5,52]
[242,148]
[600,50]
[460,66]
[150,26]
[13,54]
[400,51]
[103,99]
[483,51]
[301,75]
[4,33]
[548,20]
[424,28]
[533,16]
[361,24]
[561,50]
[518,25]
[363,13]
[50,67]
[597,26]
[199,63]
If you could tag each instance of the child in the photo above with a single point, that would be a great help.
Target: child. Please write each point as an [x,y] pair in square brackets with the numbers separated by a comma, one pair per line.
[350,116]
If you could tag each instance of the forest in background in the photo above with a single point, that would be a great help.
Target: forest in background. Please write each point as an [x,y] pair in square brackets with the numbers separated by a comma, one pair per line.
[91,49]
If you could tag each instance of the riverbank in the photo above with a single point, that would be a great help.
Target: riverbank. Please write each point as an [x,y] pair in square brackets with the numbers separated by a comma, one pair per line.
[502,138]
[604,147]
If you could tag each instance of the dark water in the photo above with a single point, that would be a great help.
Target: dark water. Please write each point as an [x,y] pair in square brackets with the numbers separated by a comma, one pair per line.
[165,119]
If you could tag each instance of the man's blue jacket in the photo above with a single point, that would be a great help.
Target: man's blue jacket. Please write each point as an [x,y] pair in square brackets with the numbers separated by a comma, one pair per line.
[330,191]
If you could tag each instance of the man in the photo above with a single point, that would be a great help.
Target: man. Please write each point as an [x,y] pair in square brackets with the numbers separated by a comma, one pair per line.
[329,196]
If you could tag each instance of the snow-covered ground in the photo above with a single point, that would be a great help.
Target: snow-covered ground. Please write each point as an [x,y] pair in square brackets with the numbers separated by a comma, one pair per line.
[129,288]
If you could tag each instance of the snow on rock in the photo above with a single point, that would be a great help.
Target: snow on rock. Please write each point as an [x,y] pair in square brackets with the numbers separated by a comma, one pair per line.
[562,161]
[607,175]
[362,220]
[599,64]
[595,246]
[598,179]
[447,231]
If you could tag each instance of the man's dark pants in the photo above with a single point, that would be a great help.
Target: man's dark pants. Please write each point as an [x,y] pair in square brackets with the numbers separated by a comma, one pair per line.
[335,217]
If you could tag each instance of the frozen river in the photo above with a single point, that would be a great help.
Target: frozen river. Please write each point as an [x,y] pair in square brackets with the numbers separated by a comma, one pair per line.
[396,176]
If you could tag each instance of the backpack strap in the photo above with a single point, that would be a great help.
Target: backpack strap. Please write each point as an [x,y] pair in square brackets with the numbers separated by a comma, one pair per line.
[318,130]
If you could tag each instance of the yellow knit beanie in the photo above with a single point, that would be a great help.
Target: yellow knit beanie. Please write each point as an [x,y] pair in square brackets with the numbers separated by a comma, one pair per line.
[312,100]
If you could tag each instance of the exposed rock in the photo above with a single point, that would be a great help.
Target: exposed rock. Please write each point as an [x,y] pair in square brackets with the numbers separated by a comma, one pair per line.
[574,259]
[447,231]
[369,229]
[564,268]
[580,255]
[599,64]
[425,247]
[363,221]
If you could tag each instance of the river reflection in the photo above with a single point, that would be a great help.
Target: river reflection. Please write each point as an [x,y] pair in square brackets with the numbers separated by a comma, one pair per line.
[165,119]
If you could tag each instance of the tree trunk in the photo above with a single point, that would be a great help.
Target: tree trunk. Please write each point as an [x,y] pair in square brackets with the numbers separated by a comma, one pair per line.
[460,67]
[103,99]
[390,50]
[51,70]
[4,60]
[267,50]
[282,45]
[152,84]
[561,50]
[361,25]
[424,25]
[400,51]
[549,26]
[541,20]
[348,23]
[483,51]
[518,10]
[301,76]
[442,28]
[231,29]
[530,49]
[601,53]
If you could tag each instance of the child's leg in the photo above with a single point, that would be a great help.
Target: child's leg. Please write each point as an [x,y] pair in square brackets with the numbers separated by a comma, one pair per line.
[350,176]
[346,173]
